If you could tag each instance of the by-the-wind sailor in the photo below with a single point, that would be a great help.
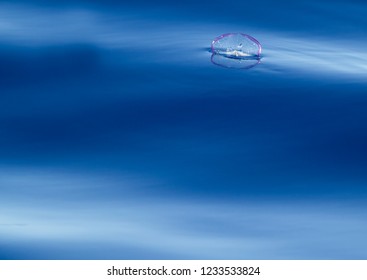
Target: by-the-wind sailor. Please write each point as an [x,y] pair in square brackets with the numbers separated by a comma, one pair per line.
[236,45]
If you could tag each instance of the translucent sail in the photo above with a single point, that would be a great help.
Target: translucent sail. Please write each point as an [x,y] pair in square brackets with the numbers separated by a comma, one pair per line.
[236,45]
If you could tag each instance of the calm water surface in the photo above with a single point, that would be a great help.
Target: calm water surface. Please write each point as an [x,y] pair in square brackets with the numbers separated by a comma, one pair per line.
[120,139]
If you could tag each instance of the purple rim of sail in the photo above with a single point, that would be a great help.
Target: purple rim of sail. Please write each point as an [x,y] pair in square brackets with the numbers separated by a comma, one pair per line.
[242,34]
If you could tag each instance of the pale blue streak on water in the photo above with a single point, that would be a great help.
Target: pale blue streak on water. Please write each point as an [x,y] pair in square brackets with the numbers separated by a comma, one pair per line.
[119,139]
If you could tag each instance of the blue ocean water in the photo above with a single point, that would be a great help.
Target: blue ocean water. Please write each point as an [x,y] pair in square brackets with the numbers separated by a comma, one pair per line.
[121,139]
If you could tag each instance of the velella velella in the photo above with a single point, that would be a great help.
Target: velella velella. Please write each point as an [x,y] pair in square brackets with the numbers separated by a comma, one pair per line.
[235,50]
[236,46]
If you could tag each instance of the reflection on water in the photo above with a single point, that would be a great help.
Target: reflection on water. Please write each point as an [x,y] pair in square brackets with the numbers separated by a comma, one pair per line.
[227,62]
[119,138]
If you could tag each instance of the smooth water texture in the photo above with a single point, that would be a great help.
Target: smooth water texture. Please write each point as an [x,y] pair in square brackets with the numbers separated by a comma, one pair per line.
[122,136]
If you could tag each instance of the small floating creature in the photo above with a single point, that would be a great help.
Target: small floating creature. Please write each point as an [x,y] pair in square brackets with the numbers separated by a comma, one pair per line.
[236,45]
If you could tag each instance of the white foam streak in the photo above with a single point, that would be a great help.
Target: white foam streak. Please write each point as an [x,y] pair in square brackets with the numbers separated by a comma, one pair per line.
[174,42]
